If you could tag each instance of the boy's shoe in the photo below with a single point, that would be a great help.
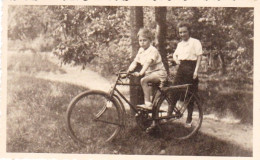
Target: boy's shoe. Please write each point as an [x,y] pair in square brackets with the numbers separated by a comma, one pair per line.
[148,106]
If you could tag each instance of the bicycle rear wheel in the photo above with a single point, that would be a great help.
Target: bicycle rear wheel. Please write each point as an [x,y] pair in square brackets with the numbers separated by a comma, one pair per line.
[176,127]
[93,117]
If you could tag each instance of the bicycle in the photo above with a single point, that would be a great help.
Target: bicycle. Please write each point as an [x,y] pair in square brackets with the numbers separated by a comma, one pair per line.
[108,111]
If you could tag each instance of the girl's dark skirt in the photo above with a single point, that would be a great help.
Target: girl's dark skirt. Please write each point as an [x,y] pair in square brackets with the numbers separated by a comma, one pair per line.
[185,76]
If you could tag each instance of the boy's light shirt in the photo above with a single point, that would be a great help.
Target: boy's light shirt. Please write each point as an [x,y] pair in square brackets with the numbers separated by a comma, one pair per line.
[152,55]
[188,50]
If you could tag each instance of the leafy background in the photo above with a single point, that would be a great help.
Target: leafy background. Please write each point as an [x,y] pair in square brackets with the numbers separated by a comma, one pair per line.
[100,36]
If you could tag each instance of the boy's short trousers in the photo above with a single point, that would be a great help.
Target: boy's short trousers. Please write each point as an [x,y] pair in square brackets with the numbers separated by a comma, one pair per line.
[161,74]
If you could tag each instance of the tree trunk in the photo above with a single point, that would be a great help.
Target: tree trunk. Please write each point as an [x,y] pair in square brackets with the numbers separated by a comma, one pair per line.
[222,63]
[136,19]
[161,31]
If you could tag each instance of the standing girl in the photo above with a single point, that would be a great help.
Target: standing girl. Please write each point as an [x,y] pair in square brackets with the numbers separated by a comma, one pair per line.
[188,55]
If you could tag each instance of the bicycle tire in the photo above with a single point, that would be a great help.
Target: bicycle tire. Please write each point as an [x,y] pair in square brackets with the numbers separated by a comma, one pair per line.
[176,128]
[94,117]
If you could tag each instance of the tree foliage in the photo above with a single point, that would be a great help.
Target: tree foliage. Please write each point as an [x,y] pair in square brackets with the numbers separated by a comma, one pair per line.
[91,32]
[101,36]
[27,22]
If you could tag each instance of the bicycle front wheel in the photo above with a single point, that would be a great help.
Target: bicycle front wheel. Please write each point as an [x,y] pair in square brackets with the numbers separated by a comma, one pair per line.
[93,117]
[184,122]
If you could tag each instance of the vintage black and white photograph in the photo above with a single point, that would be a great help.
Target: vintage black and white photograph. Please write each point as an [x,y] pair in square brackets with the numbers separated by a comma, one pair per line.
[130,80]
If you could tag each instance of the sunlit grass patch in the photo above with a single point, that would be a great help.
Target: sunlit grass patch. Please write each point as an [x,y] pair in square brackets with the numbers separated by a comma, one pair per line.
[31,63]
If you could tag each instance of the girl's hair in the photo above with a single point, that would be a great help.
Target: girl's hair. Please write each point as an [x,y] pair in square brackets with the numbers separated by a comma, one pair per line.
[145,33]
[183,24]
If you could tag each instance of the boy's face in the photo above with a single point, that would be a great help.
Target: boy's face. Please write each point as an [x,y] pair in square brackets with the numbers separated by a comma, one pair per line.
[144,42]
[184,33]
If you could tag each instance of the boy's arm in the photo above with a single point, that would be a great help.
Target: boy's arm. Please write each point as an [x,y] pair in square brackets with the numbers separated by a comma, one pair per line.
[144,68]
[150,59]
[132,66]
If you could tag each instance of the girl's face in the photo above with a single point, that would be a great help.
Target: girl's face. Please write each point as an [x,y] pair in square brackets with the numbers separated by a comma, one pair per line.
[184,33]
[144,42]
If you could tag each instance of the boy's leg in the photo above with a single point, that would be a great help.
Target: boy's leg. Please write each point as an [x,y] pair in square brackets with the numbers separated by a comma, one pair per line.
[152,78]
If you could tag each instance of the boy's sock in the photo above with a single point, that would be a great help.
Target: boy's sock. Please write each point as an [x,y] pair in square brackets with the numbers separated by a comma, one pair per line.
[148,104]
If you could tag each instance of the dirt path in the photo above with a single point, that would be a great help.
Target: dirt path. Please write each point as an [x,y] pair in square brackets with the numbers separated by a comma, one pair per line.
[75,75]
[228,130]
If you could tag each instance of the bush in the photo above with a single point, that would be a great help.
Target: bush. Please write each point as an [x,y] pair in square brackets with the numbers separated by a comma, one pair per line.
[113,58]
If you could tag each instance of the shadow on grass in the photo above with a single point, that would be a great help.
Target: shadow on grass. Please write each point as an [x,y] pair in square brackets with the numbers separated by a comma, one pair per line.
[137,142]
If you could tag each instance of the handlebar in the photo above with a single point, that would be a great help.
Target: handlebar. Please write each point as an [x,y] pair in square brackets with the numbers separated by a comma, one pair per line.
[123,74]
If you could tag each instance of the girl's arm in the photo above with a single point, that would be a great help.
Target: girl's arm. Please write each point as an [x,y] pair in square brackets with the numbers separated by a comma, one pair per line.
[195,74]
[198,50]
[175,55]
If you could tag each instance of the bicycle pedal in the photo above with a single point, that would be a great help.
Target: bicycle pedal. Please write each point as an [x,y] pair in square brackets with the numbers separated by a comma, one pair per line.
[150,129]
[144,108]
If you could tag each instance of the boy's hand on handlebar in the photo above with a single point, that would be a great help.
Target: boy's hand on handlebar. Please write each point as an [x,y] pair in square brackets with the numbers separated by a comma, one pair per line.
[136,74]
[124,74]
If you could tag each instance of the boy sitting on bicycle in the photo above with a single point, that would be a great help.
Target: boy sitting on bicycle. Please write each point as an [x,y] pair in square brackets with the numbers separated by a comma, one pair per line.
[152,67]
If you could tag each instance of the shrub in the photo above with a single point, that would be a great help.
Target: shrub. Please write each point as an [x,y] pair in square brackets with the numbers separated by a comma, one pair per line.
[113,58]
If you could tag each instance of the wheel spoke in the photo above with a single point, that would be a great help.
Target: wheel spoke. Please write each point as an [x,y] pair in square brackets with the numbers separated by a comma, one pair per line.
[101,112]
[99,120]
[176,126]
[92,117]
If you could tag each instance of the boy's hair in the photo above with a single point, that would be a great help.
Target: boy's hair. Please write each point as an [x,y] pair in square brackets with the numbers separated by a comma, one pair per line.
[145,33]
[183,24]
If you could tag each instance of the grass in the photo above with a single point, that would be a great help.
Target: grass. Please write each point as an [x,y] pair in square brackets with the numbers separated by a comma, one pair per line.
[35,113]
[36,123]
[36,120]
[227,98]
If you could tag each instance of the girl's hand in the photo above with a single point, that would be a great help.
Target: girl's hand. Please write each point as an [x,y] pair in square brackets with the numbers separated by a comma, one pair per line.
[195,75]
[177,61]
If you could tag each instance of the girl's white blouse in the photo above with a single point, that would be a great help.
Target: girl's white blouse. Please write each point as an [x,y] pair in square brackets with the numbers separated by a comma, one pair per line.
[188,50]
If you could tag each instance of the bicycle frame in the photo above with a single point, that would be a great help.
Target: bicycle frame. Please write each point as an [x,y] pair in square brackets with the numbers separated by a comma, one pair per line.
[114,91]
[145,118]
